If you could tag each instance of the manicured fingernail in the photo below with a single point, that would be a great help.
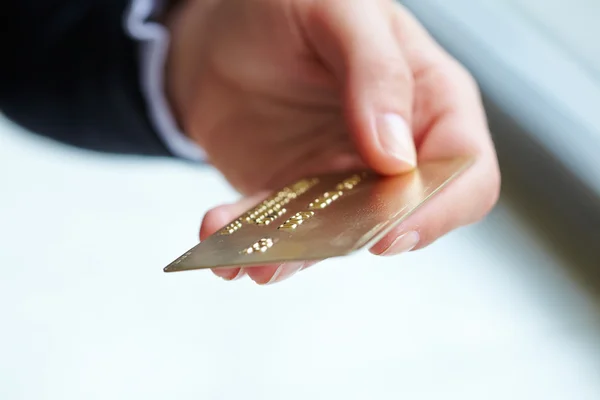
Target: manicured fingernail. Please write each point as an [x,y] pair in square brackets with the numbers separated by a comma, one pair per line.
[402,244]
[239,275]
[285,271]
[308,264]
[396,139]
[230,274]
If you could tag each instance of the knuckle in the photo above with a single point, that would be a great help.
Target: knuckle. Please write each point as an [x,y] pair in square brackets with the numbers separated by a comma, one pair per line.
[435,82]
[449,78]
[389,70]
[390,83]
[465,79]
[465,76]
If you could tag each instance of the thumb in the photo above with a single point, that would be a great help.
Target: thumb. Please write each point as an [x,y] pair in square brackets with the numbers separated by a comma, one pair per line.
[355,40]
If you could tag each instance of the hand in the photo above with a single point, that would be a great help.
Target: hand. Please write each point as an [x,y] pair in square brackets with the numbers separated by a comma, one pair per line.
[275,90]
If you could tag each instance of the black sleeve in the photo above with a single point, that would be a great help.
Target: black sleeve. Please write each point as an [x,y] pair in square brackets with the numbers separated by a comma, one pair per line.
[68,71]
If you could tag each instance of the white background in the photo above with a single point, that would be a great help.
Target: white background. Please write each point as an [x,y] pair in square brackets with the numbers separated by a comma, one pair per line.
[87,313]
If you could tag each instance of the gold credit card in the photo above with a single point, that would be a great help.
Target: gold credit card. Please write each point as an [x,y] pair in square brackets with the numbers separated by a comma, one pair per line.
[321,217]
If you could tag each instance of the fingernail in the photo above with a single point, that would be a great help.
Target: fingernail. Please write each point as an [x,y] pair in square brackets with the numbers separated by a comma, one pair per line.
[402,244]
[229,274]
[308,264]
[396,139]
[239,275]
[285,271]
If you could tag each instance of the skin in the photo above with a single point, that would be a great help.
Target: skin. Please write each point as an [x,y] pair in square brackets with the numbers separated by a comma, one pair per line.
[275,90]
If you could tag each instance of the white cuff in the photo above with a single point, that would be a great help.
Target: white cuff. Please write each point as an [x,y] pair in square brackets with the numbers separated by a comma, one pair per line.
[154,40]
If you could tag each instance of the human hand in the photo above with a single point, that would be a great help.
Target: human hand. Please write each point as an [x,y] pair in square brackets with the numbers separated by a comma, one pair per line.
[276,90]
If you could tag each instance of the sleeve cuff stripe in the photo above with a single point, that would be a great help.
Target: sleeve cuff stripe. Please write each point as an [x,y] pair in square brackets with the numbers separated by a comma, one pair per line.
[154,41]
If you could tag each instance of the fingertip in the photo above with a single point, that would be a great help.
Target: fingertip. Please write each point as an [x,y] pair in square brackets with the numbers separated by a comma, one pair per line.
[384,139]
[263,274]
[395,140]
[214,220]
[229,274]
[272,274]
[396,243]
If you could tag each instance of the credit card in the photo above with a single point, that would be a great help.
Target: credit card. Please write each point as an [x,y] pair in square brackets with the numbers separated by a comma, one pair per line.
[321,217]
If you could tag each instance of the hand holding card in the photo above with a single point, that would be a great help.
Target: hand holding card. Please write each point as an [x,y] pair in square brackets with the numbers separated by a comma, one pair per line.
[284,90]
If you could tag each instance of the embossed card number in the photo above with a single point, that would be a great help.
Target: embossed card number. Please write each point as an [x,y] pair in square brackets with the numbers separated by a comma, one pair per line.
[272,208]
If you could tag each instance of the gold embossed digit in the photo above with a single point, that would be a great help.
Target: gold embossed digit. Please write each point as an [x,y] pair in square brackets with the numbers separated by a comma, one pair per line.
[273,207]
[270,216]
[296,220]
[325,200]
[261,246]
[349,183]
[231,228]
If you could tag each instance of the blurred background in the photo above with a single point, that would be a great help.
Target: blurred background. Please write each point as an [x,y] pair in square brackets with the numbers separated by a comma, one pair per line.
[507,308]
